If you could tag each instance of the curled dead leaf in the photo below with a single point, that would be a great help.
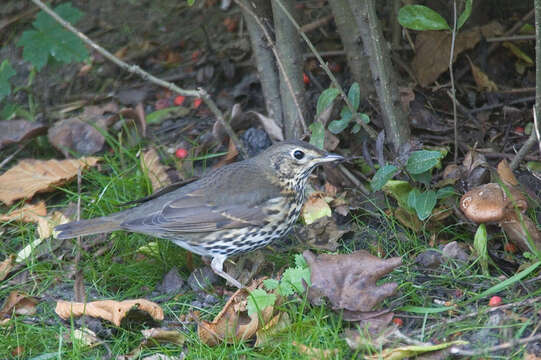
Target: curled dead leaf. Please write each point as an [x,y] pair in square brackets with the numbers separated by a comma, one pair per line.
[315,207]
[324,233]
[6,266]
[163,335]
[481,79]
[314,353]
[110,310]
[518,227]
[19,303]
[506,174]
[15,131]
[32,176]
[233,323]
[349,280]
[29,213]
[156,171]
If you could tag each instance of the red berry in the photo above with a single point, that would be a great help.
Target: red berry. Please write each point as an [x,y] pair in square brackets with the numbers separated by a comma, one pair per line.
[197,102]
[495,301]
[305,79]
[335,67]
[398,321]
[181,153]
[196,54]
[519,130]
[179,100]
[509,247]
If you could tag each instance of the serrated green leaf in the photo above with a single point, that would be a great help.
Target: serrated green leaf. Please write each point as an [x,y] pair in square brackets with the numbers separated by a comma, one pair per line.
[50,39]
[422,160]
[480,241]
[465,14]
[292,281]
[325,99]
[6,72]
[354,96]
[258,300]
[381,176]
[318,134]
[445,192]
[419,17]
[271,284]
[300,262]
[424,203]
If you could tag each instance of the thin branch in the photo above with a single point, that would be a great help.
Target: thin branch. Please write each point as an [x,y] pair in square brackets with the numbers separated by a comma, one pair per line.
[504,346]
[453,90]
[134,69]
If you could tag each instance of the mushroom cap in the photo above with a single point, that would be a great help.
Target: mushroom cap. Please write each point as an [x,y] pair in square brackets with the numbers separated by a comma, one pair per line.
[485,203]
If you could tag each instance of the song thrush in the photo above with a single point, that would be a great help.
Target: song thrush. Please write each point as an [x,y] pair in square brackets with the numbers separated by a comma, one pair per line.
[233,209]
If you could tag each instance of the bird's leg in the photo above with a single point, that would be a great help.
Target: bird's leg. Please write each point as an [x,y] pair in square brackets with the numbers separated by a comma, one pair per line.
[217,265]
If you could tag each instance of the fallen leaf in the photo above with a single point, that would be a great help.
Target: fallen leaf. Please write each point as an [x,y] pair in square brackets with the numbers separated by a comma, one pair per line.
[162,335]
[349,281]
[278,323]
[233,323]
[518,230]
[75,135]
[15,131]
[481,79]
[18,303]
[506,174]
[156,171]
[270,126]
[314,353]
[232,153]
[110,310]
[323,234]
[83,336]
[412,350]
[31,176]
[6,266]
[433,49]
[365,339]
[315,208]
[29,213]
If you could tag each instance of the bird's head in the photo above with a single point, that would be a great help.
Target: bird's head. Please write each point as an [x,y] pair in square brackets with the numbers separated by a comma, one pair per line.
[293,161]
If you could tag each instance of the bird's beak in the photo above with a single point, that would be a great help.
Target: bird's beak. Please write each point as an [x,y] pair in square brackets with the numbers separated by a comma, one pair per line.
[330,158]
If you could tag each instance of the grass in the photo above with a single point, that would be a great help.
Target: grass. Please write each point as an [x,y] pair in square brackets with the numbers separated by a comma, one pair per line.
[120,273]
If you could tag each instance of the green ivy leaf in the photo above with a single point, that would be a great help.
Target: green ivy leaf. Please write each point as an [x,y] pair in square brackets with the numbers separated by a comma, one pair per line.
[480,245]
[354,96]
[292,281]
[318,134]
[383,175]
[6,71]
[465,14]
[337,126]
[325,99]
[50,39]
[258,300]
[419,17]
[423,202]
[423,160]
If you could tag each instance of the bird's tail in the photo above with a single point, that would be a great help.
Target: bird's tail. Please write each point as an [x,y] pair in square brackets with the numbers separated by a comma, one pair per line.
[86,227]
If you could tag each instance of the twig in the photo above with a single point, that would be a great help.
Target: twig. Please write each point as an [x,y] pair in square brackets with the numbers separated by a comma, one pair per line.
[9,157]
[134,69]
[453,90]
[315,24]
[510,38]
[78,286]
[506,345]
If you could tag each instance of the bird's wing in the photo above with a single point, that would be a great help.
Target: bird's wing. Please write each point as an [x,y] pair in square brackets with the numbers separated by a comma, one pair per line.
[200,211]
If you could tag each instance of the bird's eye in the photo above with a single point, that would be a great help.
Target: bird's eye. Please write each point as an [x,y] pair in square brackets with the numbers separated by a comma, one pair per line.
[298,154]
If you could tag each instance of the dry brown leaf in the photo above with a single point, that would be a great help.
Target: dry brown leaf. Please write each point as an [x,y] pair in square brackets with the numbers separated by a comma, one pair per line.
[75,135]
[315,207]
[506,174]
[110,310]
[517,230]
[233,324]
[324,233]
[433,49]
[29,213]
[18,303]
[47,224]
[314,353]
[232,153]
[349,280]
[271,127]
[157,172]
[6,266]
[279,322]
[31,176]
[481,79]
[162,335]
[15,131]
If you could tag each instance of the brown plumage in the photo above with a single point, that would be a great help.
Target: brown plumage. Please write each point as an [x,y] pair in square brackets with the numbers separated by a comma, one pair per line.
[234,209]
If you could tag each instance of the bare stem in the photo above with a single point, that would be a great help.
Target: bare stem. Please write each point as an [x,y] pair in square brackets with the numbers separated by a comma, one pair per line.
[453,90]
